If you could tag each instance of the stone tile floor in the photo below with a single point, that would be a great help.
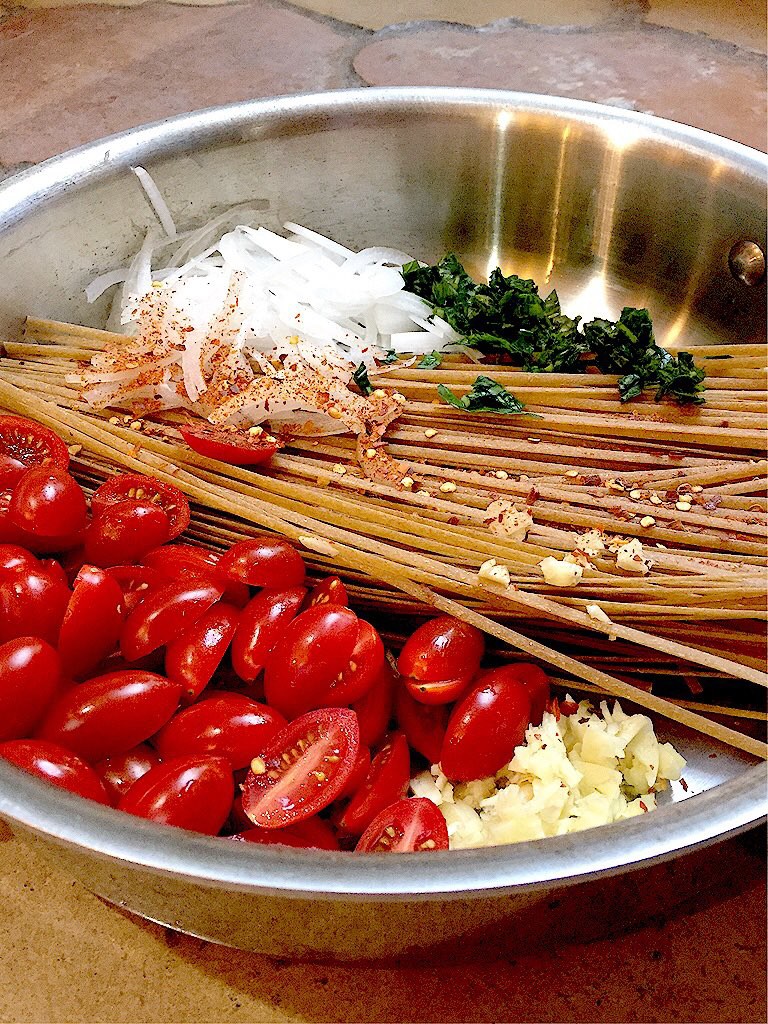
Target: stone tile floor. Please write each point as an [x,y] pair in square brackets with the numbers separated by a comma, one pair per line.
[70,73]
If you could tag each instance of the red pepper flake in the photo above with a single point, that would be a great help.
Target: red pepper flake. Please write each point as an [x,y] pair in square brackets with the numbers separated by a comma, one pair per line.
[533,496]
[453,521]
[553,707]
[569,707]
[713,503]
[684,784]
[643,806]
[724,423]
[593,481]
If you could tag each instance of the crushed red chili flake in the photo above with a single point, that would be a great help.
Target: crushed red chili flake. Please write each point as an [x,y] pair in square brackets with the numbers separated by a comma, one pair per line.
[569,707]
[593,481]
[684,784]
[454,521]
[643,805]
[553,707]
[533,496]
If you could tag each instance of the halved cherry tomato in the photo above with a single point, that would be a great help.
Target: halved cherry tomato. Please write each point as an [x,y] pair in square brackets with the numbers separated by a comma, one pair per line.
[226,725]
[386,782]
[364,665]
[110,714]
[424,725]
[124,531]
[30,595]
[263,562]
[312,834]
[30,672]
[166,614]
[24,443]
[444,691]
[359,773]
[262,624]
[135,581]
[194,793]
[13,556]
[414,825]
[440,649]
[48,502]
[57,765]
[303,769]
[193,657]
[118,773]
[136,486]
[236,447]
[374,709]
[11,471]
[181,561]
[536,683]
[327,591]
[92,622]
[314,650]
[486,726]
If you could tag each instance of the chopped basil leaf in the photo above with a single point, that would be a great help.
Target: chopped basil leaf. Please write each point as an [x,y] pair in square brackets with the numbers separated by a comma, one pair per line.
[486,395]
[430,361]
[390,356]
[360,377]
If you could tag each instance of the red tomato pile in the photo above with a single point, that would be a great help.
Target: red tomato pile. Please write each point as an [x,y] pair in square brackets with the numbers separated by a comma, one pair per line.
[220,692]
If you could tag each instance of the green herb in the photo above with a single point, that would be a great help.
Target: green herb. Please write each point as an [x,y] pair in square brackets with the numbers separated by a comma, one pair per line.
[509,318]
[390,356]
[430,361]
[360,377]
[486,395]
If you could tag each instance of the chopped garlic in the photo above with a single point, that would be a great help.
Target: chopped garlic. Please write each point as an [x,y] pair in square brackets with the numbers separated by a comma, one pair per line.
[594,611]
[591,542]
[491,572]
[630,558]
[571,773]
[318,544]
[504,520]
[560,573]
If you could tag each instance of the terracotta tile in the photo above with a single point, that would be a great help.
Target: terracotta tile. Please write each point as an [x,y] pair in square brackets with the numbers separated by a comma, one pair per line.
[687,78]
[741,21]
[74,74]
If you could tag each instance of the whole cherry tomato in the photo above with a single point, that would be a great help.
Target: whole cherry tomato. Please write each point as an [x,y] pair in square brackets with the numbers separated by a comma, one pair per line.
[327,591]
[110,714]
[166,614]
[193,657]
[262,624]
[24,444]
[312,834]
[485,727]
[48,502]
[135,486]
[374,709]
[314,650]
[235,447]
[32,594]
[226,725]
[413,825]
[184,561]
[30,672]
[536,684]
[124,531]
[263,562]
[119,773]
[442,655]
[193,793]
[386,782]
[303,769]
[92,622]
[57,765]
[424,725]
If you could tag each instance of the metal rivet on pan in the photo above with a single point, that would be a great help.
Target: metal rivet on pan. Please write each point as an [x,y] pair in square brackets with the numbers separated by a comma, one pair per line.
[747,262]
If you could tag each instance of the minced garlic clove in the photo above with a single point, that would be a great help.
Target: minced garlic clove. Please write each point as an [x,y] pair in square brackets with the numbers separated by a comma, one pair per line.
[630,557]
[594,611]
[560,573]
[504,520]
[591,542]
[491,572]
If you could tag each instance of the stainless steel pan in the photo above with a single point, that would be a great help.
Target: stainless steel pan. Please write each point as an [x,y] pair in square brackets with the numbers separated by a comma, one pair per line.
[612,208]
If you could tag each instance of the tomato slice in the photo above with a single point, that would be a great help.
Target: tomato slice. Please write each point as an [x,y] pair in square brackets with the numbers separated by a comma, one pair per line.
[263,623]
[193,793]
[135,486]
[359,773]
[413,825]
[237,447]
[263,562]
[486,726]
[536,683]
[32,594]
[387,781]
[24,443]
[166,614]
[303,768]
[312,834]
[48,502]
[364,665]
[125,531]
[92,622]
[135,581]
[374,710]
[30,672]
[315,649]
[442,648]
[424,725]
[193,657]
[327,591]
[444,691]
[57,765]
[177,561]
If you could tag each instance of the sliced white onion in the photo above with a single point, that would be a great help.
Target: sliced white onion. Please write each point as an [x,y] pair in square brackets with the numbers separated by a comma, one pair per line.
[156,201]
[100,284]
[318,239]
